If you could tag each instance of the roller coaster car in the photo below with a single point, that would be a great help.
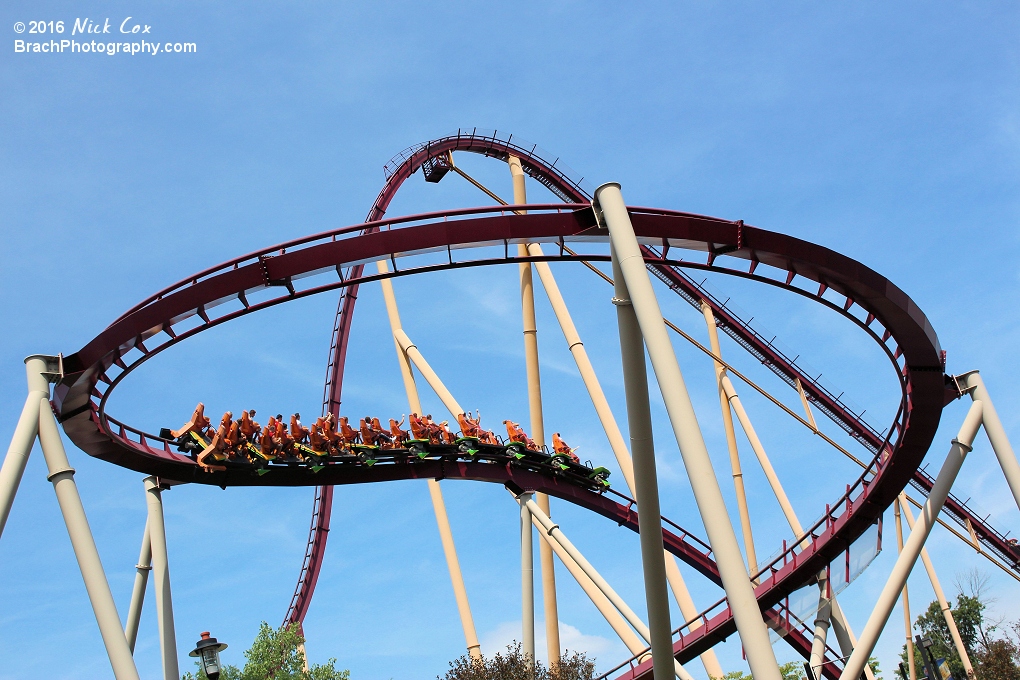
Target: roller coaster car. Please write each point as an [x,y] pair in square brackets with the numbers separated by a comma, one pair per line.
[599,475]
[468,445]
[435,168]
[417,447]
[366,453]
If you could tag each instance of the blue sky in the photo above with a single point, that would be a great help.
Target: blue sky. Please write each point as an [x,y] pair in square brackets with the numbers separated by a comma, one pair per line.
[886,131]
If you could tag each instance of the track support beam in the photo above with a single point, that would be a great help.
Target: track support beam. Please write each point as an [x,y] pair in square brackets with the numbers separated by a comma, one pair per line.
[947,612]
[161,578]
[24,437]
[554,533]
[642,448]
[616,441]
[527,579]
[530,325]
[912,548]
[995,431]
[747,616]
[142,570]
[435,493]
[905,597]
[731,439]
[61,474]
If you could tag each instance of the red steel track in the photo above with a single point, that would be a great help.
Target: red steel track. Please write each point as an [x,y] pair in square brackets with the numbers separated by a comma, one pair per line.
[561,183]
[428,243]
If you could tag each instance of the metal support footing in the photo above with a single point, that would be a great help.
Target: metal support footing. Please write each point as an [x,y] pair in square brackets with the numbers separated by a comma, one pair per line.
[747,616]
[912,548]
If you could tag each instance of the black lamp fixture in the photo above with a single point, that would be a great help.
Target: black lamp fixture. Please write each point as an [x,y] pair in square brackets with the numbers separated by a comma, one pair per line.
[208,650]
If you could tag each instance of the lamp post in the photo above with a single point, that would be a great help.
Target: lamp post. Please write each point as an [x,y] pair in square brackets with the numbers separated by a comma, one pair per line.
[208,650]
[924,644]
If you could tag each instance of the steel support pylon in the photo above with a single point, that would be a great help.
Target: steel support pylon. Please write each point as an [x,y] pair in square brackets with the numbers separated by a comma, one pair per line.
[435,492]
[41,371]
[912,548]
[537,420]
[746,614]
[646,485]
[161,578]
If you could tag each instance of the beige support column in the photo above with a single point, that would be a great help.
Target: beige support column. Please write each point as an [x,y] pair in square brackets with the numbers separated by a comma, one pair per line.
[912,547]
[905,597]
[841,627]
[142,570]
[431,377]
[556,534]
[807,406]
[746,614]
[601,602]
[436,494]
[584,367]
[642,448]
[61,474]
[763,459]
[947,612]
[24,437]
[673,575]
[995,431]
[615,437]
[161,578]
[552,617]
[690,612]
[527,579]
[731,440]
[822,617]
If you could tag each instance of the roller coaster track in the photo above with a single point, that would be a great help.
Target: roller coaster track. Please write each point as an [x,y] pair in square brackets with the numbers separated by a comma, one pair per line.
[564,184]
[314,265]
[282,273]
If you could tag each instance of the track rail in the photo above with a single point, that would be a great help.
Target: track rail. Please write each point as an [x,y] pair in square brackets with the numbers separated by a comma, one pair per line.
[427,243]
[570,188]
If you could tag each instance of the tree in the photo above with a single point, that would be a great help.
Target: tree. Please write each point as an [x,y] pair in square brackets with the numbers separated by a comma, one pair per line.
[968,614]
[514,664]
[994,657]
[792,670]
[277,654]
[999,660]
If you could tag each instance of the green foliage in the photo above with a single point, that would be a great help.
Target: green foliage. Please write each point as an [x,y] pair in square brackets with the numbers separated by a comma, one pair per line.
[873,663]
[793,670]
[276,654]
[514,664]
[994,656]
[968,614]
[736,675]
